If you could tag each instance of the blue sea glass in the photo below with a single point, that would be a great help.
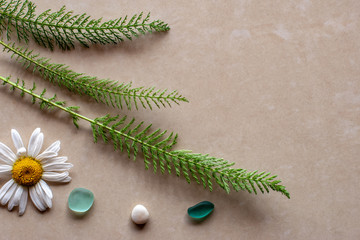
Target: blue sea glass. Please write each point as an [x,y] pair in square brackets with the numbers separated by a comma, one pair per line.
[201,210]
[80,200]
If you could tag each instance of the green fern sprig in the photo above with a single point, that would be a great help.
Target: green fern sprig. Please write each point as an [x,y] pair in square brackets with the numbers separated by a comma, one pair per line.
[65,28]
[44,103]
[102,90]
[156,147]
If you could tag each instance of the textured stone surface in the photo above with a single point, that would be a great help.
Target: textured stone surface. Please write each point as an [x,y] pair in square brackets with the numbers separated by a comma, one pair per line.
[273,85]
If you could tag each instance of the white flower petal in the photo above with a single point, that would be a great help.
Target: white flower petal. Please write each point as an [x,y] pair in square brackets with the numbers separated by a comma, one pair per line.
[36,199]
[6,155]
[39,143]
[23,200]
[55,177]
[18,143]
[40,193]
[21,152]
[43,197]
[46,188]
[33,138]
[67,179]
[5,199]
[48,201]
[55,147]
[54,160]
[6,187]
[5,169]
[46,154]
[50,152]
[17,195]
[57,167]
[13,199]
[35,143]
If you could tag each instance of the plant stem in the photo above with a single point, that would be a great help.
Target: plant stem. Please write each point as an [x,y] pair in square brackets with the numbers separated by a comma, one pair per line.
[223,171]
[86,87]
[49,25]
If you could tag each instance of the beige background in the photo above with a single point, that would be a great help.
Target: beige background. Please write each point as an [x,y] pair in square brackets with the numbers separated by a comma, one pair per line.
[273,85]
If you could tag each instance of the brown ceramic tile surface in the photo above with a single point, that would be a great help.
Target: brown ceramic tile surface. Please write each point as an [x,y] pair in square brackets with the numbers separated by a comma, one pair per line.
[273,85]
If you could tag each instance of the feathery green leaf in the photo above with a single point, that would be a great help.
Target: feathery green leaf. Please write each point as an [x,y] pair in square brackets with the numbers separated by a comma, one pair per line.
[156,147]
[64,28]
[105,91]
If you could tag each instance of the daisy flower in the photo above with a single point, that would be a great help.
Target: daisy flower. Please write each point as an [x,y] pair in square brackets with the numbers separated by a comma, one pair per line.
[29,170]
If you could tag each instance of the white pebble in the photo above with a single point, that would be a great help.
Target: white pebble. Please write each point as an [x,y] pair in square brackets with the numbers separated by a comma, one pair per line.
[140,215]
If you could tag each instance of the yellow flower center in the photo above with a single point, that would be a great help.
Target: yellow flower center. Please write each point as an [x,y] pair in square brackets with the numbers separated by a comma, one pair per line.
[27,171]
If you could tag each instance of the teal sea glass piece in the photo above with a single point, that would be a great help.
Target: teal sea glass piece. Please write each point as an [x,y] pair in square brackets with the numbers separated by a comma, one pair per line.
[80,200]
[201,210]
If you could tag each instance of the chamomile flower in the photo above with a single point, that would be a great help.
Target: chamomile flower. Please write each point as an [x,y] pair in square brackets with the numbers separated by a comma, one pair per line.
[28,170]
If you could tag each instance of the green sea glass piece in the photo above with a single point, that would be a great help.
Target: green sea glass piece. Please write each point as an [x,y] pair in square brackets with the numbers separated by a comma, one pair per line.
[201,210]
[80,200]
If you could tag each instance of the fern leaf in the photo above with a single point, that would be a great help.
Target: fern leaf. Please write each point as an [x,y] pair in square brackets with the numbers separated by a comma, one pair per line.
[105,91]
[64,28]
[156,147]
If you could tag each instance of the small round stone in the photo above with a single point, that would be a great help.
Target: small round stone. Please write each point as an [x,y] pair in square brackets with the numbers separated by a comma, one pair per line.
[80,200]
[140,215]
